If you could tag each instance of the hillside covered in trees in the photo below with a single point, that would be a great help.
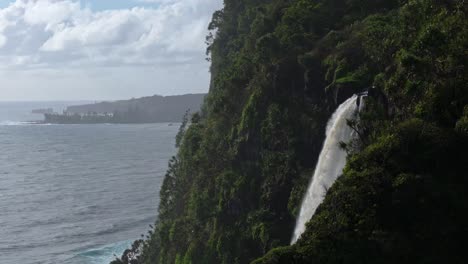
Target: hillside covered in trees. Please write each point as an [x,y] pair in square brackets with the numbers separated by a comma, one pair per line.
[280,68]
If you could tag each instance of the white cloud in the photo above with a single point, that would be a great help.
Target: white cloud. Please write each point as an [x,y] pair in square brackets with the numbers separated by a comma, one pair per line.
[57,33]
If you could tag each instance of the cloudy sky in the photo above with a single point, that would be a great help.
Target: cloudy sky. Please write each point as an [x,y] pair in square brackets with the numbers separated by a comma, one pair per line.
[102,49]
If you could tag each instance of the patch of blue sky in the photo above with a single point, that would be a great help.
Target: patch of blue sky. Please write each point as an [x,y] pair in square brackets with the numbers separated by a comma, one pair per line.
[4,3]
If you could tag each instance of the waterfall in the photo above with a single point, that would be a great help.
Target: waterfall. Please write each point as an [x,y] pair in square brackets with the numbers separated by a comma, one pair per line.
[331,161]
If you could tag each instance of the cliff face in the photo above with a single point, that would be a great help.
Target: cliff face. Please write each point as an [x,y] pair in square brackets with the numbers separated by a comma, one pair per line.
[147,109]
[279,69]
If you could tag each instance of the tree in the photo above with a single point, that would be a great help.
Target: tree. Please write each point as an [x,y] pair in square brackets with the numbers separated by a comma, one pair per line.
[182,128]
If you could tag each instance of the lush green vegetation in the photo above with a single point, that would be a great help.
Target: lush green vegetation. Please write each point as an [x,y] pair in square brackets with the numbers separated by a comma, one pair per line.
[279,69]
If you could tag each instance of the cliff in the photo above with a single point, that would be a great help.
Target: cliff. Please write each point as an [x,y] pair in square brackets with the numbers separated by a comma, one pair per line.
[280,68]
[154,109]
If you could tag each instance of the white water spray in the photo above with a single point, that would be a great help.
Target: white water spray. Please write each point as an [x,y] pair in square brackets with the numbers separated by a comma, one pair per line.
[331,161]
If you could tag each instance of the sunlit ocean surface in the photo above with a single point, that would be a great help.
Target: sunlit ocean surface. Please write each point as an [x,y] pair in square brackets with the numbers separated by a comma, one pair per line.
[77,194]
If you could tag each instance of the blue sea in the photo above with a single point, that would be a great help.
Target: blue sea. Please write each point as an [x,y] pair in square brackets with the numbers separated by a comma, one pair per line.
[76,194]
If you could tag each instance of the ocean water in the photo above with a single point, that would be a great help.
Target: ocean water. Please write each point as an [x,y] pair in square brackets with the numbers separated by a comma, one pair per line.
[77,194]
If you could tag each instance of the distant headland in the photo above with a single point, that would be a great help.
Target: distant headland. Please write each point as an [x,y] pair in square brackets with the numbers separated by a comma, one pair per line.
[43,111]
[152,109]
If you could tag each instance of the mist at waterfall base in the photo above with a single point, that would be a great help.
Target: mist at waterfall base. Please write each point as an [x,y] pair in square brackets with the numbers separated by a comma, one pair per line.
[330,164]
[76,194]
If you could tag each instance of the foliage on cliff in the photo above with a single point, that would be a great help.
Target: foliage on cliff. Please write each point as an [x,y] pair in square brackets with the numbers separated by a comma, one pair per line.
[402,199]
[279,69]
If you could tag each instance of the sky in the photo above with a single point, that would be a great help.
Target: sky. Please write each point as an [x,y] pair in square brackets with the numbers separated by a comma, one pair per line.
[103,49]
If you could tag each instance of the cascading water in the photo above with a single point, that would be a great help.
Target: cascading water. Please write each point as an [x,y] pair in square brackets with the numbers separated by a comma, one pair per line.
[331,161]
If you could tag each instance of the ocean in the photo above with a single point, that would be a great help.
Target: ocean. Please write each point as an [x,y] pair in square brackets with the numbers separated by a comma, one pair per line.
[76,194]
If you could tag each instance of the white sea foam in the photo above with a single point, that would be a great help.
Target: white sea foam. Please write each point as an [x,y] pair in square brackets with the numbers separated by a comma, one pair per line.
[13,123]
[104,254]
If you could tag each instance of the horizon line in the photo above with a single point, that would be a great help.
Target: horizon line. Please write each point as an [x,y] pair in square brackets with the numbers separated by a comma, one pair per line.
[93,100]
